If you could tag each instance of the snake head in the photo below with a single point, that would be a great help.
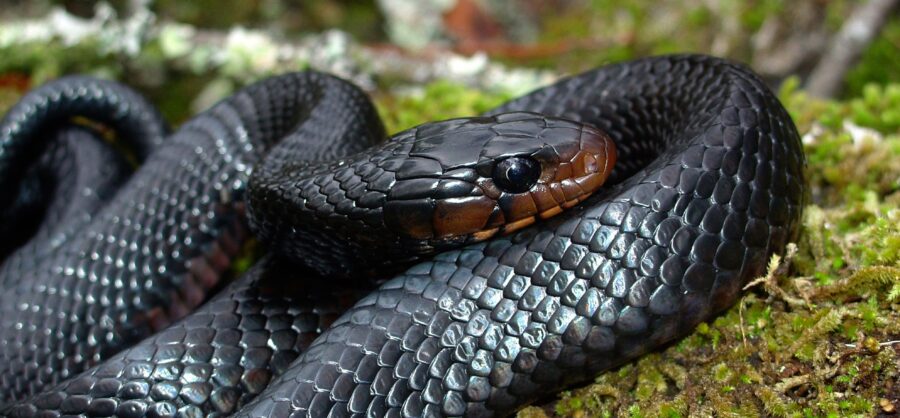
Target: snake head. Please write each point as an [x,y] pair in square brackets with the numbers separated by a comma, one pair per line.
[466,180]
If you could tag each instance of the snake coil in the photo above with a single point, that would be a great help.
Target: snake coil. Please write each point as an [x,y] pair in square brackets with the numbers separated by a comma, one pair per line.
[708,184]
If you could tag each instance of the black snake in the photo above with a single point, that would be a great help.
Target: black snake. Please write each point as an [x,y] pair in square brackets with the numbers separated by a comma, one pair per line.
[707,186]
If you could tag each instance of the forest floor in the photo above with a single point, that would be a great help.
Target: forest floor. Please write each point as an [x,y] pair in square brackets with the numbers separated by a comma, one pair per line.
[819,335]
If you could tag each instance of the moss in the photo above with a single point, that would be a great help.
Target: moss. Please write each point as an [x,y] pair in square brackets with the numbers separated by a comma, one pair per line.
[879,62]
[43,61]
[532,412]
[8,97]
[439,100]
[852,148]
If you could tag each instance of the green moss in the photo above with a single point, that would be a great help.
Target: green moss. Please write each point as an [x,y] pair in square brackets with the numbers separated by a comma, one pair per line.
[852,148]
[590,33]
[43,61]
[8,97]
[532,412]
[879,63]
[440,100]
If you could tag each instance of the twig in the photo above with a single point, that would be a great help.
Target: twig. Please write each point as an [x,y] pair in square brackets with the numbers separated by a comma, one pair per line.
[855,35]
[880,344]
[791,382]
[741,317]
[778,268]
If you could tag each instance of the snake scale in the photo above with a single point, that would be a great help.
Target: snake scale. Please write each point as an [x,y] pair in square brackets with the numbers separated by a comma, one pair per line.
[543,276]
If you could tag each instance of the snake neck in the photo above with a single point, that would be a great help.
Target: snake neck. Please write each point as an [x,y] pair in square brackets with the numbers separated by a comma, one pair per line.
[336,217]
[435,187]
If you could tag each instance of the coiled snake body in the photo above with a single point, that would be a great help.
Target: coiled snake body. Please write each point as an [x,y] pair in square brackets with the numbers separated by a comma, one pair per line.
[708,185]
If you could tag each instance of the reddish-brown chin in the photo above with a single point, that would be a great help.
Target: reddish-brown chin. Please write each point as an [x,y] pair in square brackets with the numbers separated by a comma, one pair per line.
[463,216]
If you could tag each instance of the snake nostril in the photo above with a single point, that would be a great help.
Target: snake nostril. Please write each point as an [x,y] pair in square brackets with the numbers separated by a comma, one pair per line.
[590,164]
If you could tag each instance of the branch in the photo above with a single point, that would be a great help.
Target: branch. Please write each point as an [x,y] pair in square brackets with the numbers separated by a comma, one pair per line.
[858,31]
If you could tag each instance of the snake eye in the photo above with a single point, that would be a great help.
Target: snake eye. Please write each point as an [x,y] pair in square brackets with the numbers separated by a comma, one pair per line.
[516,174]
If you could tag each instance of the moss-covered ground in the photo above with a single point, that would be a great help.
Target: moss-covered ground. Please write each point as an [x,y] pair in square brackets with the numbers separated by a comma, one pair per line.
[819,335]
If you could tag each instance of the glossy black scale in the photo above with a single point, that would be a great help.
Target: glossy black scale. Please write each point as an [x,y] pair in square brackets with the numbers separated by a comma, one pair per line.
[708,185]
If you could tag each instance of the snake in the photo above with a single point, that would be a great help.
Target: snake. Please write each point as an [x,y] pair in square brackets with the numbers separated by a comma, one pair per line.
[530,259]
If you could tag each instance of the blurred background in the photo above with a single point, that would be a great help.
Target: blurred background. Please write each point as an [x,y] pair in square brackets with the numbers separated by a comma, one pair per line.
[835,47]
[819,335]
